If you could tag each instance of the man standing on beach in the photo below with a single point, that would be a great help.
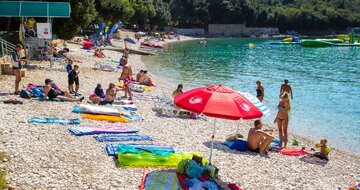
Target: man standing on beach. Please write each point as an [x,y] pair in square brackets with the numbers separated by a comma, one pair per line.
[126,75]
[286,88]
[16,65]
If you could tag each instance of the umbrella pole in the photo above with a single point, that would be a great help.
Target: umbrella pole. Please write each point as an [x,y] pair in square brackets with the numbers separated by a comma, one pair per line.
[212,141]
[238,126]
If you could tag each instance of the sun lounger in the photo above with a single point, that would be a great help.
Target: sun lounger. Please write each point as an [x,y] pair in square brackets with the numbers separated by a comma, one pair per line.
[100,130]
[118,138]
[60,121]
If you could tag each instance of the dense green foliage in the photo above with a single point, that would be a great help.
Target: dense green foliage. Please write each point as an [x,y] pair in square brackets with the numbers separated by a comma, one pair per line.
[83,12]
[298,15]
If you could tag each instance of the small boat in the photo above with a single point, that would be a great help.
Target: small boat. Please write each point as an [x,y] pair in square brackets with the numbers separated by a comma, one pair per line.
[316,43]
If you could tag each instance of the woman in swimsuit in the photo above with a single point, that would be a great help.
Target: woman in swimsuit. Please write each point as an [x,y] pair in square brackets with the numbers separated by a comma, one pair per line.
[110,97]
[282,118]
[259,91]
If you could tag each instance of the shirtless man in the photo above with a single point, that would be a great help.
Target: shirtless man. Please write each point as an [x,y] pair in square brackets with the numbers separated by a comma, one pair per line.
[259,140]
[286,88]
[126,75]
[145,79]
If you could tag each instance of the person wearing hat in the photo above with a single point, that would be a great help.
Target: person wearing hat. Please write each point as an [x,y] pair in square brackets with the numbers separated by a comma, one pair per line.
[62,95]
[16,65]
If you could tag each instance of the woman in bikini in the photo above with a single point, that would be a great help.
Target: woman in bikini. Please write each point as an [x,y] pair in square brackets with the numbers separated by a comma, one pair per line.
[259,91]
[282,118]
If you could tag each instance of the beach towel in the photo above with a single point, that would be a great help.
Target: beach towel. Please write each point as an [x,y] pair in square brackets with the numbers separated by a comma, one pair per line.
[108,118]
[117,138]
[60,121]
[314,160]
[111,149]
[147,98]
[293,152]
[129,107]
[147,159]
[161,180]
[239,145]
[101,129]
[100,110]
[126,148]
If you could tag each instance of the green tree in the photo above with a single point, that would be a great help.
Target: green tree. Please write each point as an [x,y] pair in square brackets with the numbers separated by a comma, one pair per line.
[82,14]
[162,16]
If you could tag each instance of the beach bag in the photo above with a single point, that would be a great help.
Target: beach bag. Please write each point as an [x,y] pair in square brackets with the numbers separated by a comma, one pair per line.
[25,94]
[194,170]
[182,165]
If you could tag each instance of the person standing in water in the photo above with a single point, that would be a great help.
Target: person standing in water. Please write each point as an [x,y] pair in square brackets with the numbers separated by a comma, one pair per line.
[286,88]
[282,118]
[259,91]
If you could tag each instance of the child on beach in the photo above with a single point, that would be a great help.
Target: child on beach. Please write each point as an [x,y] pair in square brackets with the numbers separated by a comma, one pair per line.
[324,150]
[73,77]
[69,66]
[98,95]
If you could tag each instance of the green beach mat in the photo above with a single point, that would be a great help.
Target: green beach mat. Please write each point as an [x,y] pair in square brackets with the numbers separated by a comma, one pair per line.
[146,159]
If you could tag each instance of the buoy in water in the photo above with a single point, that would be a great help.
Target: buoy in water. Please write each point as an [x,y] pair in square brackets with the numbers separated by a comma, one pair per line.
[251,45]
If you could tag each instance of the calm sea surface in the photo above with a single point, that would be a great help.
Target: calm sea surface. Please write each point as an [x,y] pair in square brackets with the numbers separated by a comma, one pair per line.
[325,81]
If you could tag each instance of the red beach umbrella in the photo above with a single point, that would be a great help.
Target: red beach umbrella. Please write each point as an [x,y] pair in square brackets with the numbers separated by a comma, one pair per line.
[217,101]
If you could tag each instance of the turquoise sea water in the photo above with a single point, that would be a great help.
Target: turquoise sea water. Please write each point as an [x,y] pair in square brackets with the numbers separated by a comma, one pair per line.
[325,81]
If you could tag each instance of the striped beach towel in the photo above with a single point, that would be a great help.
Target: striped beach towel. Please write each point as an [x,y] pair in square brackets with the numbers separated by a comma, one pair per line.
[117,138]
[100,130]
[256,102]
[161,181]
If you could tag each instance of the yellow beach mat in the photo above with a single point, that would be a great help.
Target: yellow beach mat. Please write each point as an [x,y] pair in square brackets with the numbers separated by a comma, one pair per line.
[147,159]
[105,118]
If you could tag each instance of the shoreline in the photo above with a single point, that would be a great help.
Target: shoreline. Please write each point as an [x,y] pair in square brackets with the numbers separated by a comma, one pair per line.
[48,157]
[298,136]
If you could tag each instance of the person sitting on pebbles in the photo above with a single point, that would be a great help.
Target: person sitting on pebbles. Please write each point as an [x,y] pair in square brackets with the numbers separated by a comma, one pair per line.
[51,93]
[324,150]
[178,91]
[259,140]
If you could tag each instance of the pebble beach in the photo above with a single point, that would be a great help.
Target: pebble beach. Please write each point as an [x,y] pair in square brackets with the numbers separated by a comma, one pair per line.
[46,156]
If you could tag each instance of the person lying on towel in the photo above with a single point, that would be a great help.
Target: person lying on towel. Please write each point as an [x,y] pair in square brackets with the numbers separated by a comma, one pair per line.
[52,93]
[258,139]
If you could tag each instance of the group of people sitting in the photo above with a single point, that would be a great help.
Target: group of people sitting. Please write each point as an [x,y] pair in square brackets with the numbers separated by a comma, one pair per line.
[109,97]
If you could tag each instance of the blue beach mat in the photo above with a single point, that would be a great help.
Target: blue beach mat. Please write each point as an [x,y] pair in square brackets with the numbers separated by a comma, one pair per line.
[111,149]
[239,145]
[117,138]
[99,130]
[48,120]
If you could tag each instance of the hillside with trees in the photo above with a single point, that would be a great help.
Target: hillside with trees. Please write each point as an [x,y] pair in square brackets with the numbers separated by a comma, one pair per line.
[287,15]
